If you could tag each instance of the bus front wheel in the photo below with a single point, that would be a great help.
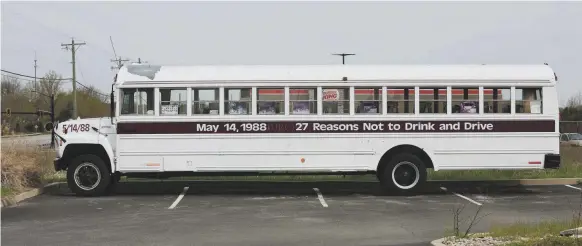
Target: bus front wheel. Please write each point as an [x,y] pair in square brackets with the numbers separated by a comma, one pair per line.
[403,173]
[87,175]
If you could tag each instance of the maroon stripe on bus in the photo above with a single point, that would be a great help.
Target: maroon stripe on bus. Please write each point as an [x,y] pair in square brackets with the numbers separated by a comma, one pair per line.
[311,126]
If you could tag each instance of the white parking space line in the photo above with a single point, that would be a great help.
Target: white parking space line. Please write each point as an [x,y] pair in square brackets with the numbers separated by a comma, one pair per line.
[574,187]
[320,197]
[179,198]
[464,197]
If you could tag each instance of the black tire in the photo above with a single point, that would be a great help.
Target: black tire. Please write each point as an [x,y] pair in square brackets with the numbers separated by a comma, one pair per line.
[407,163]
[100,178]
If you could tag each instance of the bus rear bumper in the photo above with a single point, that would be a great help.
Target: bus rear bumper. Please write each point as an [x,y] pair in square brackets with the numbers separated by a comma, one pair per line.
[552,161]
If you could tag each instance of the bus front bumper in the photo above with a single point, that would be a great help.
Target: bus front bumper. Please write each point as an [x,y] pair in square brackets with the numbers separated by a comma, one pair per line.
[58,163]
[552,161]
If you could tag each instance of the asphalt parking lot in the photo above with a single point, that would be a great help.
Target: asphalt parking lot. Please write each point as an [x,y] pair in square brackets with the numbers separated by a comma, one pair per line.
[272,213]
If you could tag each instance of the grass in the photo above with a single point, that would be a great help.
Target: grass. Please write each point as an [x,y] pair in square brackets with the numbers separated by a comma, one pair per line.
[539,229]
[544,233]
[24,168]
[571,168]
[541,233]
[547,241]
[5,191]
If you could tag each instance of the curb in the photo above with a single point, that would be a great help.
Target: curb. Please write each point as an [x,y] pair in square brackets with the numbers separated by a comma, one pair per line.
[571,232]
[22,135]
[438,242]
[529,182]
[7,202]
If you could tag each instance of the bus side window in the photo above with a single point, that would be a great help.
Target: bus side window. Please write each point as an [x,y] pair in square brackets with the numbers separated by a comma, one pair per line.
[173,101]
[302,100]
[137,101]
[400,100]
[336,100]
[528,100]
[237,101]
[465,100]
[271,100]
[433,100]
[205,101]
[368,100]
[497,100]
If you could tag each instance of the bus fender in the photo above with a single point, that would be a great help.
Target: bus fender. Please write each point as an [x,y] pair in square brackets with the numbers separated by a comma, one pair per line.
[109,150]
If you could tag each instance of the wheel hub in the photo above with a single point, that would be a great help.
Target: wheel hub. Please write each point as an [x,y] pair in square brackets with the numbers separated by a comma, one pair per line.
[405,175]
[87,176]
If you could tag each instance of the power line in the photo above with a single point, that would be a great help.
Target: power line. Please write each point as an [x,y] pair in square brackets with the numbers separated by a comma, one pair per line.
[28,76]
[83,76]
[112,46]
[19,78]
[30,80]
[118,60]
[95,90]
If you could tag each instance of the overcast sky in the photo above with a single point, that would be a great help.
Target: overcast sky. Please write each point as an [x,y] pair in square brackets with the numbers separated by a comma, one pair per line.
[292,33]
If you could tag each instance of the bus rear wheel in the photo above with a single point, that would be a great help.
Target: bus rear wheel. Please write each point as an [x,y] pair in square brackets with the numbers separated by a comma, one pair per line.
[87,175]
[404,173]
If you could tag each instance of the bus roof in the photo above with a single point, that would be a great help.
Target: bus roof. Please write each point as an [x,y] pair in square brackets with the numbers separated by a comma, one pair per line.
[156,73]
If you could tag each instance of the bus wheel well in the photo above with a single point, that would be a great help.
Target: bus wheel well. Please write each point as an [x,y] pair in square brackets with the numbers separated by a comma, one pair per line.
[405,148]
[75,150]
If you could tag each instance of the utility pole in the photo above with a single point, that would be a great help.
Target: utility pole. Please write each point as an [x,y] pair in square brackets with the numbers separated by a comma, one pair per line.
[73,48]
[119,63]
[343,55]
[52,121]
[34,88]
[35,66]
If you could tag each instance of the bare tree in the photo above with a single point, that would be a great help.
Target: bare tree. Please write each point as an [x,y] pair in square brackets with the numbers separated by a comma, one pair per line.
[457,220]
[575,101]
[472,221]
[573,109]
[51,83]
[10,86]
[90,90]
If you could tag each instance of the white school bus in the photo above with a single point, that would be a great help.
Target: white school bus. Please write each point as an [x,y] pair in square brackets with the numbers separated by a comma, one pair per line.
[394,121]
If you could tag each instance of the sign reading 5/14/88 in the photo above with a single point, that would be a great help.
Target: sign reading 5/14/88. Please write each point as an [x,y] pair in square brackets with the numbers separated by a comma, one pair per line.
[76,128]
